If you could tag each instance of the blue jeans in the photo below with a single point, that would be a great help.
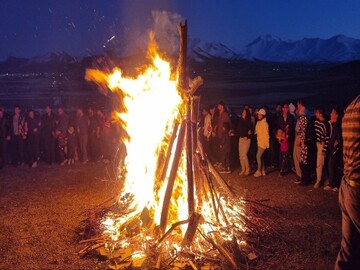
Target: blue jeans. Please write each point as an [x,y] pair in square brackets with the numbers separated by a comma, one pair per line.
[349,254]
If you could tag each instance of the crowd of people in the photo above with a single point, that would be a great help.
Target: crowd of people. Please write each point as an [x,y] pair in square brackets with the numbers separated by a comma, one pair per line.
[63,138]
[291,139]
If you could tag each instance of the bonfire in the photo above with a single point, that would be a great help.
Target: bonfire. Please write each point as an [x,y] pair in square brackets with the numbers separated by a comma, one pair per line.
[174,210]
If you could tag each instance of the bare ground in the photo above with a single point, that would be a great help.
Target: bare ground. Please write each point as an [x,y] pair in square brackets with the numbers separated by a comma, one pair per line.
[41,212]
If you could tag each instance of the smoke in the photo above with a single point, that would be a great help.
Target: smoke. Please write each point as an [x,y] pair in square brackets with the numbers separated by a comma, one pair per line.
[132,39]
[165,28]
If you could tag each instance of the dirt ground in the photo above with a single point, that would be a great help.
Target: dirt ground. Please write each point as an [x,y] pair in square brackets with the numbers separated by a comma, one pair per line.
[41,211]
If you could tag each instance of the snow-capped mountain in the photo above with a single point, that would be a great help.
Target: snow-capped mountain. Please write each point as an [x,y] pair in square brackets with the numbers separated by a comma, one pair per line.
[200,50]
[311,50]
[337,49]
[55,57]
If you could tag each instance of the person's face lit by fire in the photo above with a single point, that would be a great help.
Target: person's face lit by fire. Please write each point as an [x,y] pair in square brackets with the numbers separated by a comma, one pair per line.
[285,109]
[260,116]
[79,112]
[48,110]
[204,112]
[243,114]
[60,111]
[90,111]
[220,108]
[334,116]
[17,111]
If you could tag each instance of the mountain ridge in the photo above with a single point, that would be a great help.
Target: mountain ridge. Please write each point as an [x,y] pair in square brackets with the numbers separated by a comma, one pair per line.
[338,49]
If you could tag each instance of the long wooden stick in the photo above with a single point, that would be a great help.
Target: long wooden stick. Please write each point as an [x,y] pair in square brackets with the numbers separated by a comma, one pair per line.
[168,154]
[172,176]
[191,229]
[184,85]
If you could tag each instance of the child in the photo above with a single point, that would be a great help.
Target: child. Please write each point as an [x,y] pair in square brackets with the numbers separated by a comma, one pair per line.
[71,144]
[283,138]
[225,148]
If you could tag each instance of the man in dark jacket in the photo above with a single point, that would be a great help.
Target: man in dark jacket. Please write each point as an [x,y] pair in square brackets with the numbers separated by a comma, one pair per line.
[4,137]
[48,135]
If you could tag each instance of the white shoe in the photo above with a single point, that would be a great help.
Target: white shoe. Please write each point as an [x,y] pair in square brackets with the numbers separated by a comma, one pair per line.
[34,165]
[327,188]
[64,162]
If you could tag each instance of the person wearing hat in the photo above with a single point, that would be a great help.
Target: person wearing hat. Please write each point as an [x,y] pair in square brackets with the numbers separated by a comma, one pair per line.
[263,137]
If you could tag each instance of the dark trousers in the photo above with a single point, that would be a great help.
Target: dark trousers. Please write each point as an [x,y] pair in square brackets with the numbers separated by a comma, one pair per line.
[349,254]
[33,148]
[305,173]
[93,147]
[2,152]
[333,162]
[17,150]
[59,151]
[225,158]
[284,162]
[274,152]
[206,144]
[49,148]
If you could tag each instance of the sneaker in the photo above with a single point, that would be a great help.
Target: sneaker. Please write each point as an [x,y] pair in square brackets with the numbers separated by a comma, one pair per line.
[257,173]
[335,189]
[73,161]
[327,188]
[242,172]
[64,162]
[85,161]
[298,181]
[317,185]
[34,165]
[263,172]
[246,173]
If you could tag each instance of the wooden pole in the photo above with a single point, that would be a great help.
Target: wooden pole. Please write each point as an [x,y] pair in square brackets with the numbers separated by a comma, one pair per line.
[172,177]
[184,86]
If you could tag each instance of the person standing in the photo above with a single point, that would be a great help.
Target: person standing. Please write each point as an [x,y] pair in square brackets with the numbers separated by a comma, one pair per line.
[83,133]
[225,148]
[349,193]
[18,135]
[33,126]
[48,135]
[244,130]
[206,131]
[335,149]
[286,122]
[263,137]
[321,127]
[4,137]
[62,123]
[94,135]
[300,149]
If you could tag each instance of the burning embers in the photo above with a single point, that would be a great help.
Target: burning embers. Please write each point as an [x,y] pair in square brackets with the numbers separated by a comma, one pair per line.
[170,214]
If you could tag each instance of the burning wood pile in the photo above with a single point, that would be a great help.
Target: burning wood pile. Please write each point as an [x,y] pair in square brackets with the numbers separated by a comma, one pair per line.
[175,211]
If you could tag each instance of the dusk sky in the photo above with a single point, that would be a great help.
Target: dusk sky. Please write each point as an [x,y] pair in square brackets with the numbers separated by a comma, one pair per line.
[79,27]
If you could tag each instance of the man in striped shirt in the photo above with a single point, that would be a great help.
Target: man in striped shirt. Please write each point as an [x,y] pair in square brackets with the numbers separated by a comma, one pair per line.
[322,140]
[349,193]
